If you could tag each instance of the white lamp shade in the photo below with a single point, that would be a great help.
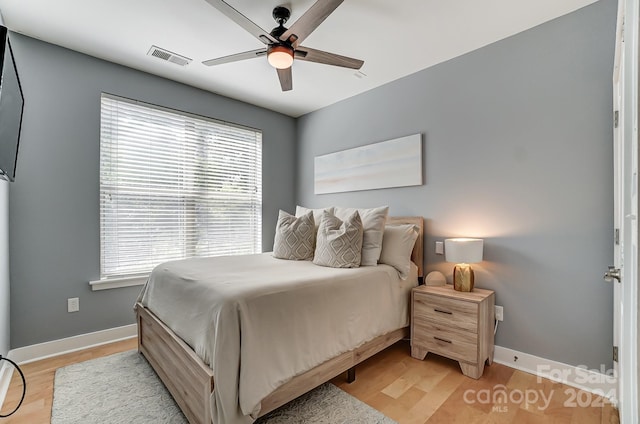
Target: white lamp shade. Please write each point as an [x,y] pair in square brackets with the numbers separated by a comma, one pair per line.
[463,250]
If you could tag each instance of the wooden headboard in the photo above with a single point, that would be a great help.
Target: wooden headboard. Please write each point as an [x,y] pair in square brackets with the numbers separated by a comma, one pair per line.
[417,255]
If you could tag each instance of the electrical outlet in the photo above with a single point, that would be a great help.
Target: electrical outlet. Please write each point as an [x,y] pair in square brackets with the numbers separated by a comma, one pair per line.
[439,248]
[73,304]
[499,313]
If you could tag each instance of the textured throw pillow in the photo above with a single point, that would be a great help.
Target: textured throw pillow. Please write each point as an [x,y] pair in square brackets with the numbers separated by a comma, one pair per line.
[339,244]
[295,237]
[317,213]
[397,246]
[373,221]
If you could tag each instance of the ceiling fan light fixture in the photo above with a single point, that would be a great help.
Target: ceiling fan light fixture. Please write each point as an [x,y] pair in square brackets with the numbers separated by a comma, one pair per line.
[280,56]
[284,44]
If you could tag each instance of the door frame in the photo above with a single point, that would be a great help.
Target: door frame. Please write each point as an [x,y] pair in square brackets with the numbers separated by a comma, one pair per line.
[625,87]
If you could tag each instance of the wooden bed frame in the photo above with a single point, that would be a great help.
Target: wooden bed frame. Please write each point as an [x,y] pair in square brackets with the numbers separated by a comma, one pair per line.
[190,381]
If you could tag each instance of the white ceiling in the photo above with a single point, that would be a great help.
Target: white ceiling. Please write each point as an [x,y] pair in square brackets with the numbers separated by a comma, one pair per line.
[394,39]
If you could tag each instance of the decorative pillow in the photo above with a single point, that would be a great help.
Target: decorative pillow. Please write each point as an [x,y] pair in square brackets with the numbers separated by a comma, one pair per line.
[295,237]
[373,222]
[397,246]
[339,243]
[317,213]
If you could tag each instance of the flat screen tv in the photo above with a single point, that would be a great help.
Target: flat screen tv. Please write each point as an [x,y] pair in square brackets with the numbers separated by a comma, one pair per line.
[11,108]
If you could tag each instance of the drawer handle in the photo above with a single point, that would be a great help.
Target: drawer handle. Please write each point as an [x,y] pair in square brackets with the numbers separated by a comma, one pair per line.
[442,340]
[443,312]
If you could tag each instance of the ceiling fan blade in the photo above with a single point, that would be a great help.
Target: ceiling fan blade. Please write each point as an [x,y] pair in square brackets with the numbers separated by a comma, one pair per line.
[286,80]
[309,21]
[235,57]
[319,56]
[243,21]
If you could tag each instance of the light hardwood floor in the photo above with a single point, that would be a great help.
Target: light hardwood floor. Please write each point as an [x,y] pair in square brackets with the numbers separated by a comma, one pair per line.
[405,389]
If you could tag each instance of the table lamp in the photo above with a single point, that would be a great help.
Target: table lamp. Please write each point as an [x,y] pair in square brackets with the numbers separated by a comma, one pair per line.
[462,252]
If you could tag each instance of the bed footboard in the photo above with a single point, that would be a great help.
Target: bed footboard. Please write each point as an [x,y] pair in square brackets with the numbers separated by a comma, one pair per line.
[187,378]
[190,380]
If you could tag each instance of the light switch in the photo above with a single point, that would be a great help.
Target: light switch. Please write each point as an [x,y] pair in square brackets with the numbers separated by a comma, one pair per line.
[439,248]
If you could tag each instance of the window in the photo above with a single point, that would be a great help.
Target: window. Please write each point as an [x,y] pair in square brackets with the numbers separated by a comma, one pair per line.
[174,185]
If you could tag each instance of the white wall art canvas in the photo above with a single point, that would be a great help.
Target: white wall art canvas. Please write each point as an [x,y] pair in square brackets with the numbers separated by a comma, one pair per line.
[392,163]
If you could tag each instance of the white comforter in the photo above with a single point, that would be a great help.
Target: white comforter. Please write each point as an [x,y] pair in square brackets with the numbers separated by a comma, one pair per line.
[259,321]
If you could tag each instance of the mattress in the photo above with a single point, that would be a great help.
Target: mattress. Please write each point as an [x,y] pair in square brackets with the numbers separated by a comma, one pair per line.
[260,321]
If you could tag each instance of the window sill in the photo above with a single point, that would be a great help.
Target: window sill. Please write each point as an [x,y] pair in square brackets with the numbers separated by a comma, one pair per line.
[116,283]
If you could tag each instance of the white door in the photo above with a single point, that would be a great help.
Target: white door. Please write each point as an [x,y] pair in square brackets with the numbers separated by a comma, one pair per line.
[624,275]
[614,276]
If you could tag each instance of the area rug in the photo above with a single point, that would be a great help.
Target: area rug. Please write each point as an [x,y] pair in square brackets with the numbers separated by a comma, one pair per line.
[123,388]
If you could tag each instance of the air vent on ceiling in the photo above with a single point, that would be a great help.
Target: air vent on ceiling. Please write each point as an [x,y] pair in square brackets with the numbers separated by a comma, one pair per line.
[163,54]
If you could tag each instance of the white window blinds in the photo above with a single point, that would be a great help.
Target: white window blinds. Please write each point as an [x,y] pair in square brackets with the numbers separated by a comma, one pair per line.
[173,186]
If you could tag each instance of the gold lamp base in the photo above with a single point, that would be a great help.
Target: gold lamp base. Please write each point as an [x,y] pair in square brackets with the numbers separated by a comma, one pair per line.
[463,278]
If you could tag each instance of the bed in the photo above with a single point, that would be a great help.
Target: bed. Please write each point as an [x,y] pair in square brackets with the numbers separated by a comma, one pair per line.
[191,356]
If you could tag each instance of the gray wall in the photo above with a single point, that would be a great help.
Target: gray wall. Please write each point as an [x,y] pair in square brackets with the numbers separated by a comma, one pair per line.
[517,150]
[54,209]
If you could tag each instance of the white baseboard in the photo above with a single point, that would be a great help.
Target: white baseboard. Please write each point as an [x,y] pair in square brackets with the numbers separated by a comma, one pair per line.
[594,381]
[23,355]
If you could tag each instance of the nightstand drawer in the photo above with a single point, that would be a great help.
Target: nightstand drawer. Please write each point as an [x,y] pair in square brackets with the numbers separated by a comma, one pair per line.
[449,312]
[455,344]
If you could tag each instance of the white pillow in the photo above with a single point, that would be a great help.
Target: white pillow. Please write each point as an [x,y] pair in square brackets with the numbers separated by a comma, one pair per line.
[295,237]
[397,246]
[373,222]
[317,213]
[339,243]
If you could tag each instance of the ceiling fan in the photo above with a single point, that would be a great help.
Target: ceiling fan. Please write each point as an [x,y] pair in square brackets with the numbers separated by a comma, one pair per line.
[283,44]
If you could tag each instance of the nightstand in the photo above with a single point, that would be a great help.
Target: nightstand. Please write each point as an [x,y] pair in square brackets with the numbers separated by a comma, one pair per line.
[458,325]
